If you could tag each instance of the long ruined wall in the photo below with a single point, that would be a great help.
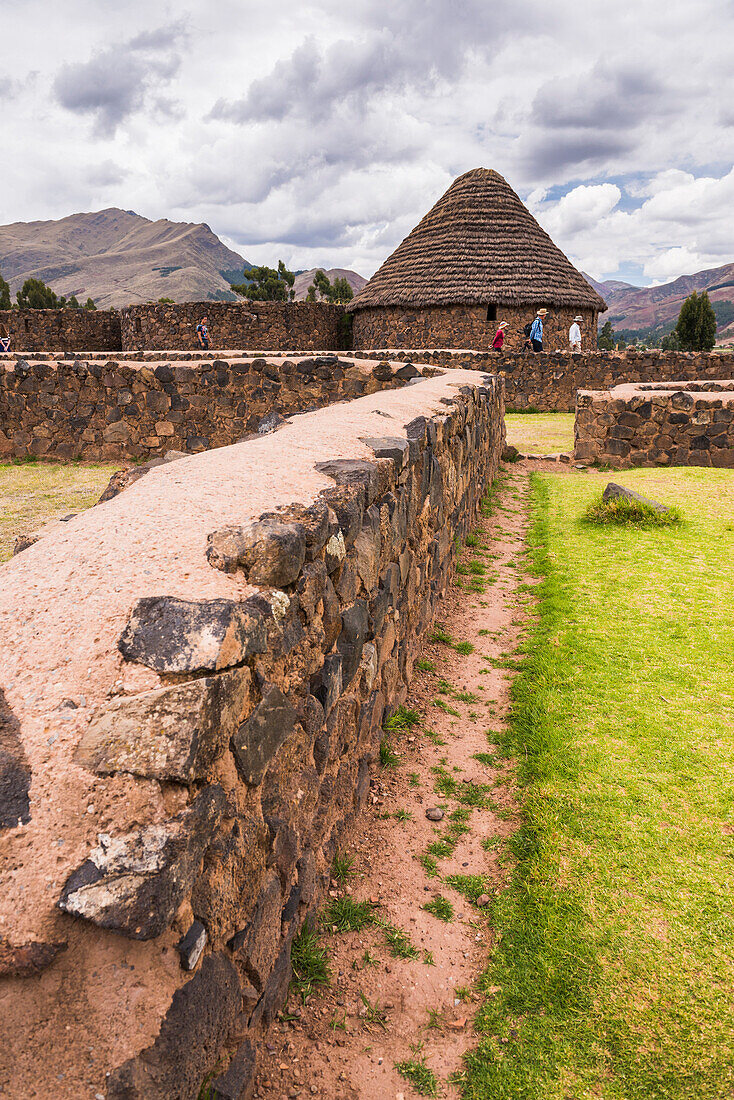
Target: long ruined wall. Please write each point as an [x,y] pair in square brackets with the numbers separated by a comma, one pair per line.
[256,326]
[463,327]
[549,382]
[262,326]
[62,329]
[127,410]
[195,677]
[660,424]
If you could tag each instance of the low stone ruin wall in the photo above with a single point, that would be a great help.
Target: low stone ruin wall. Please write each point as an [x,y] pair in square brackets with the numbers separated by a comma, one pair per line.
[663,424]
[127,410]
[254,326]
[263,326]
[195,676]
[62,329]
[549,382]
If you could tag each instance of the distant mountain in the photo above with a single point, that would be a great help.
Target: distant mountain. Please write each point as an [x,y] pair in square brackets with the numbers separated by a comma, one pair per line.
[643,309]
[119,258]
[305,278]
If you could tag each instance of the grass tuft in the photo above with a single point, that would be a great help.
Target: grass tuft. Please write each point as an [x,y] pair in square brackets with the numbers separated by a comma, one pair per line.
[310,961]
[347,915]
[440,907]
[403,719]
[470,887]
[342,867]
[388,757]
[630,513]
[399,943]
[419,1075]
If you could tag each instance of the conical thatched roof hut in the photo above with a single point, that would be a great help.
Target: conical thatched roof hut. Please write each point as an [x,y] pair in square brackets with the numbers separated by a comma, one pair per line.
[479,246]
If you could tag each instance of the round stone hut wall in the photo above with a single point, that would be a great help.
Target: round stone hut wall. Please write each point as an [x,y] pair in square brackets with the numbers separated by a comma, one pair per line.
[466,326]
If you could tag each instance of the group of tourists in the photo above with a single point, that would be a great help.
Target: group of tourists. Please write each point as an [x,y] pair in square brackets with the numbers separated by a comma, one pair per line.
[534,334]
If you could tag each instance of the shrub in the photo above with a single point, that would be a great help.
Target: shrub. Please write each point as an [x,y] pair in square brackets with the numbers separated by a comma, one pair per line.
[629,513]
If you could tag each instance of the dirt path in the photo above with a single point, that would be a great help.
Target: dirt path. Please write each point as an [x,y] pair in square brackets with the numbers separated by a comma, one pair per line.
[379,1010]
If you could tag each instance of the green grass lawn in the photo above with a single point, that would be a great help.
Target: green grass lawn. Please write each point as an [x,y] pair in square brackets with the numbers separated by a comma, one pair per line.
[32,493]
[540,433]
[613,974]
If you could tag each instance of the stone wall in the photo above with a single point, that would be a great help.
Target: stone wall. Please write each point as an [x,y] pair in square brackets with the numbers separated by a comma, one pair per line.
[465,327]
[195,679]
[126,410]
[549,382]
[261,326]
[62,329]
[674,424]
[256,326]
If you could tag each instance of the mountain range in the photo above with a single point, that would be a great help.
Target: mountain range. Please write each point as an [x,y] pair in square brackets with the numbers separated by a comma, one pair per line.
[119,258]
[653,310]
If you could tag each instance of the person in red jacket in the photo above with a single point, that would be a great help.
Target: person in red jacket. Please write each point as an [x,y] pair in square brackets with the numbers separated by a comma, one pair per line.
[499,338]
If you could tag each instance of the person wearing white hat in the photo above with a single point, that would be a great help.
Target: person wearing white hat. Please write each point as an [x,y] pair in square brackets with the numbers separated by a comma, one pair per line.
[574,334]
[499,337]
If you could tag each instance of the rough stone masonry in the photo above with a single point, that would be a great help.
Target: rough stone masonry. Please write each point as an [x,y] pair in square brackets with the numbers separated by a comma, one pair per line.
[657,424]
[108,409]
[195,678]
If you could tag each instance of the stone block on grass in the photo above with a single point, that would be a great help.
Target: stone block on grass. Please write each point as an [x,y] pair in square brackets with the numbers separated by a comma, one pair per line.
[619,492]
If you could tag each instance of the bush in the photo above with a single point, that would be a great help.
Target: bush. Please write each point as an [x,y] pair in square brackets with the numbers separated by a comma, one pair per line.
[628,513]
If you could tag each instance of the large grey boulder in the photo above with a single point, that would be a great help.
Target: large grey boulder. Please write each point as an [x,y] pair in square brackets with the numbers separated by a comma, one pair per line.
[257,740]
[172,635]
[194,1030]
[267,551]
[171,733]
[134,883]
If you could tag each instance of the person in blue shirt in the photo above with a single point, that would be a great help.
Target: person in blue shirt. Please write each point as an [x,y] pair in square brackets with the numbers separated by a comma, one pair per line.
[202,333]
[536,330]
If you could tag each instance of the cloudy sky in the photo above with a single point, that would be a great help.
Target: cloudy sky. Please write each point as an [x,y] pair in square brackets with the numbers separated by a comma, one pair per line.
[320,131]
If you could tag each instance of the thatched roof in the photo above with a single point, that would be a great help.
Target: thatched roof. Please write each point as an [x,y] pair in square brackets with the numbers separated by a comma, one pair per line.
[478,244]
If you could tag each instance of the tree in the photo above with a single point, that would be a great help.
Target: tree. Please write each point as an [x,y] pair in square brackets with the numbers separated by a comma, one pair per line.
[73,303]
[34,294]
[606,339]
[696,328]
[265,284]
[338,291]
[89,304]
[4,294]
[670,341]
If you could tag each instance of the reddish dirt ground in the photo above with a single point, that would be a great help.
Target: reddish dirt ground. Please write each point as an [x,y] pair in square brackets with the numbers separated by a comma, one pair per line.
[338,1045]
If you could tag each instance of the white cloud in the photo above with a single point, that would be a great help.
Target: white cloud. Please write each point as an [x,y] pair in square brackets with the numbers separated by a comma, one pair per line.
[322,132]
[683,226]
[581,209]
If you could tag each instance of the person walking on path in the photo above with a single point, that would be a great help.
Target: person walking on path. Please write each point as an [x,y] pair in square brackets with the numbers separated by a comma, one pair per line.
[499,337]
[202,333]
[535,336]
[574,334]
